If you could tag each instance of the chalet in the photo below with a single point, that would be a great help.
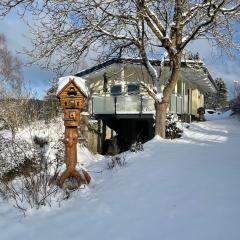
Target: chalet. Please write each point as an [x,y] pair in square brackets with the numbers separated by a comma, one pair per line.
[122,105]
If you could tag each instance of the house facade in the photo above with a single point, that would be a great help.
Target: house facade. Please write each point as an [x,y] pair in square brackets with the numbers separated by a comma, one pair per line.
[122,105]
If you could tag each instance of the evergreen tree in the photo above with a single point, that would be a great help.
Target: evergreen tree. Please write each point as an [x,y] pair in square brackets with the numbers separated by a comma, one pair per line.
[221,93]
[51,106]
[218,99]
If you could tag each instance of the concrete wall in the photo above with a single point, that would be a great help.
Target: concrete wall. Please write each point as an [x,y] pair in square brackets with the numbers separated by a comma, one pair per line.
[91,133]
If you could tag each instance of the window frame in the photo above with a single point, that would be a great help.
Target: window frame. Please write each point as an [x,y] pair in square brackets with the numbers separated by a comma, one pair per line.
[133,92]
[116,93]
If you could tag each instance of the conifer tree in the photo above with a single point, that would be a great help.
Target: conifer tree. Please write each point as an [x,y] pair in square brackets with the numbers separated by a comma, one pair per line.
[221,93]
[51,107]
[219,99]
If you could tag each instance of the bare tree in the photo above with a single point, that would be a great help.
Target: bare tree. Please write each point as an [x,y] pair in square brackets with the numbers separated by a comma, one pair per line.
[10,71]
[11,85]
[66,30]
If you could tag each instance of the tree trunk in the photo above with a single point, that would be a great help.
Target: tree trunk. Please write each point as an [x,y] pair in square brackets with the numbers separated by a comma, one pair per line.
[161,107]
[160,121]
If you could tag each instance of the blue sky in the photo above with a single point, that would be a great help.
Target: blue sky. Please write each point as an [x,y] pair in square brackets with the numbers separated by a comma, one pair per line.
[37,79]
[18,38]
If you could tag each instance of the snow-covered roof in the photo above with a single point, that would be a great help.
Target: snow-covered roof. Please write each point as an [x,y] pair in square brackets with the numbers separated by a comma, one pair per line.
[112,61]
[80,82]
[192,70]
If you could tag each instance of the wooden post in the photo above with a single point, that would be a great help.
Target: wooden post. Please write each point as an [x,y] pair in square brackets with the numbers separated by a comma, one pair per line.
[72,100]
[70,141]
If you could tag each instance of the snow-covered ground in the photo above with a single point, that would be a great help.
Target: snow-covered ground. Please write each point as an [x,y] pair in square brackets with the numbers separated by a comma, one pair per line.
[184,189]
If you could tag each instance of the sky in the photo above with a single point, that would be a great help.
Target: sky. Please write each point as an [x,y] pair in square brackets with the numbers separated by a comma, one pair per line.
[18,37]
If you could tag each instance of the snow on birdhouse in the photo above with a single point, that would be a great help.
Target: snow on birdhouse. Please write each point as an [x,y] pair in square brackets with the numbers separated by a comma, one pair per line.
[72,92]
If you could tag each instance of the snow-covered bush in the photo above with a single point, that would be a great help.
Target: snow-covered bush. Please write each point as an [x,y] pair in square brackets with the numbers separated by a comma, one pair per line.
[173,126]
[117,161]
[136,147]
[29,168]
[16,158]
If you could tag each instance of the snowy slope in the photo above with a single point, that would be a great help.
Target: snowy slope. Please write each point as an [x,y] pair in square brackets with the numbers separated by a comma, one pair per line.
[184,189]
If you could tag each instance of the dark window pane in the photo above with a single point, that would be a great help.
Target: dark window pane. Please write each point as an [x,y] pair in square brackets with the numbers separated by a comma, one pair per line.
[116,90]
[133,88]
[72,92]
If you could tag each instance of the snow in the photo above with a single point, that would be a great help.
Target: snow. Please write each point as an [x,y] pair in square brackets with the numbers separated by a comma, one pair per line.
[179,189]
[85,113]
[80,82]
[216,115]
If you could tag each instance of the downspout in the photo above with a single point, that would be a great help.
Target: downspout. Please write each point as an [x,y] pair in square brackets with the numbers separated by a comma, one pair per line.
[122,76]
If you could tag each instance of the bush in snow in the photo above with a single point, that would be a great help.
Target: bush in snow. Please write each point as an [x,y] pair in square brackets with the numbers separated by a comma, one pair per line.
[40,141]
[136,147]
[117,161]
[16,158]
[173,126]
[29,171]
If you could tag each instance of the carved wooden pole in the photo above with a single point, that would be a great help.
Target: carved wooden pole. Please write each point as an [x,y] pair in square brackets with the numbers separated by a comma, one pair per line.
[72,100]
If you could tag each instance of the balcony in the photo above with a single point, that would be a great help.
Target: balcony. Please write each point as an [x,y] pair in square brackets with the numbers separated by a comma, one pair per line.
[175,105]
[131,104]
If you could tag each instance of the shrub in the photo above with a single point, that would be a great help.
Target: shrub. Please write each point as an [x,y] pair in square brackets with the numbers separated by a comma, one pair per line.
[29,173]
[173,129]
[117,161]
[16,156]
[136,147]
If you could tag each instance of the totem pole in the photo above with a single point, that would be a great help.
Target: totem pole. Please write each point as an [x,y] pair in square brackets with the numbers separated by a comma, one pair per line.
[72,99]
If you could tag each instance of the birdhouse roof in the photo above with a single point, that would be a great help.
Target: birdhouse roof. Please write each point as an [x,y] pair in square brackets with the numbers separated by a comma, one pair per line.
[80,83]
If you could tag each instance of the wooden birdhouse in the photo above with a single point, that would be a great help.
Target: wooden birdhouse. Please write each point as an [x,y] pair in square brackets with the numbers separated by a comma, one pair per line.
[71,117]
[71,95]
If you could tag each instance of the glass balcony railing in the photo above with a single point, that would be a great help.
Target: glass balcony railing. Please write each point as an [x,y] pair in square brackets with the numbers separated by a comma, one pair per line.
[134,104]
[175,105]
[128,104]
[103,105]
[131,104]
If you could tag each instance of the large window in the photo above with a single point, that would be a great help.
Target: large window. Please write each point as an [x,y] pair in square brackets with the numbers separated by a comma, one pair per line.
[133,88]
[116,90]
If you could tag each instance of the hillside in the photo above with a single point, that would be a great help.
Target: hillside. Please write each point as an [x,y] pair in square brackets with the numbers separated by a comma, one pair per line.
[184,189]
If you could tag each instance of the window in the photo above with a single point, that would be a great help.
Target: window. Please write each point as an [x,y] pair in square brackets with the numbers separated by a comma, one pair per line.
[72,115]
[72,92]
[133,88]
[116,90]
[71,103]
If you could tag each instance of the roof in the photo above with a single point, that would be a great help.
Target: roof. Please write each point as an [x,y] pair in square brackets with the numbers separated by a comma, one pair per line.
[112,61]
[79,82]
[137,61]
